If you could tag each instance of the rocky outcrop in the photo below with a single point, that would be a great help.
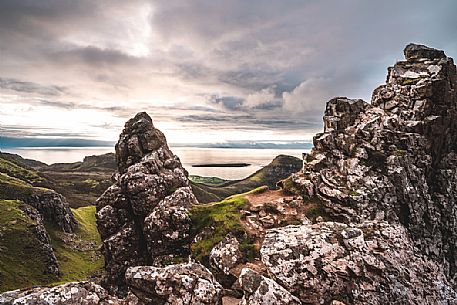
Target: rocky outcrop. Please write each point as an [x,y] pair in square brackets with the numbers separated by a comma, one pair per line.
[83,293]
[42,236]
[184,284]
[395,159]
[54,208]
[369,263]
[260,290]
[226,254]
[377,218]
[224,258]
[143,217]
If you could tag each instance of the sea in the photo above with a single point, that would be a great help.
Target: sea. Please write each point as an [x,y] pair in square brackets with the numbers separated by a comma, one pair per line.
[257,158]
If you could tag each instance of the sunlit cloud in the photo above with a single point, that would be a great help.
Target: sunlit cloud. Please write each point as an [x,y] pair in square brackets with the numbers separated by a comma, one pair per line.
[206,71]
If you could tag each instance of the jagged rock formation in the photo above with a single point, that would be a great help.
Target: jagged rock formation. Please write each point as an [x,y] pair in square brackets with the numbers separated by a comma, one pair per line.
[143,217]
[175,284]
[54,208]
[83,293]
[381,175]
[42,236]
[395,159]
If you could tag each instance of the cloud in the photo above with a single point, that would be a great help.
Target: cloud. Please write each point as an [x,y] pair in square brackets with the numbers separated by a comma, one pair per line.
[30,87]
[257,65]
[228,102]
[261,98]
[308,97]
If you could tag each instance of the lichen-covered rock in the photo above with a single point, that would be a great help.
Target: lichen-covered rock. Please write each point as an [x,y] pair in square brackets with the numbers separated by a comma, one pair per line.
[224,259]
[39,230]
[54,208]
[83,293]
[169,224]
[226,254]
[260,290]
[182,284]
[143,217]
[395,159]
[369,263]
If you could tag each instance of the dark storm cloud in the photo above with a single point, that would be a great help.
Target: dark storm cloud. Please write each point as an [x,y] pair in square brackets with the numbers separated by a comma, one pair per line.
[255,64]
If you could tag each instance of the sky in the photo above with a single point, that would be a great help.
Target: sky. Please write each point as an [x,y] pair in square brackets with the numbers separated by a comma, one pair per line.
[206,71]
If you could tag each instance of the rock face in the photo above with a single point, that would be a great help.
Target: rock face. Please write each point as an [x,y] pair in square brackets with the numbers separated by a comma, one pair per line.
[184,284]
[395,159]
[54,208]
[83,293]
[143,217]
[226,254]
[259,290]
[43,238]
[369,263]
[380,184]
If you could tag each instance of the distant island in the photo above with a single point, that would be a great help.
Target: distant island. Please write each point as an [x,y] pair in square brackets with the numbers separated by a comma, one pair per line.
[221,165]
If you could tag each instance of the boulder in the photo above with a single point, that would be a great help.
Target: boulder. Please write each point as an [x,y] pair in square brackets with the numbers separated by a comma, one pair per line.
[83,293]
[224,258]
[182,284]
[226,255]
[260,290]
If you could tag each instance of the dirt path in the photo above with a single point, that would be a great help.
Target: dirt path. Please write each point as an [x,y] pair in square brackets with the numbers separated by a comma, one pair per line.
[257,199]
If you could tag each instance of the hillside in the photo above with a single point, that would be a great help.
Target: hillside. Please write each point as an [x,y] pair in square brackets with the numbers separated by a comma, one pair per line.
[83,182]
[42,241]
[370,219]
[45,242]
[280,168]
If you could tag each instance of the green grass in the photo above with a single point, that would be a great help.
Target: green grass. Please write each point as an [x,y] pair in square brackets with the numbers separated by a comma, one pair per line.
[77,260]
[21,262]
[214,181]
[220,219]
[15,189]
[16,171]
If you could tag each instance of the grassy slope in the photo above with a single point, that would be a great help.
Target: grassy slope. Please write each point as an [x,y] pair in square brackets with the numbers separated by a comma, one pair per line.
[19,172]
[16,159]
[219,219]
[21,264]
[77,254]
[79,188]
[21,261]
[214,181]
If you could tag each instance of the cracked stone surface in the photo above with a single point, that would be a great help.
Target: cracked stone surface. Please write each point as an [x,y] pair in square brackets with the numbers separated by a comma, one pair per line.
[143,217]
[181,284]
[395,159]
